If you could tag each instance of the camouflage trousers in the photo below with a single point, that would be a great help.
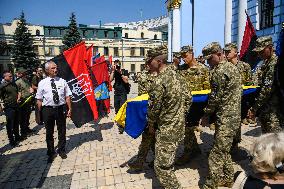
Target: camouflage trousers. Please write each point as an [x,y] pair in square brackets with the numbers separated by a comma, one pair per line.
[238,137]
[190,141]
[165,152]
[147,142]
[220,161]
[271,121]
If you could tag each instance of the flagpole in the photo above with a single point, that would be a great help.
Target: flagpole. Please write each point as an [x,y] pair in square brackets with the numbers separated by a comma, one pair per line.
[192,32]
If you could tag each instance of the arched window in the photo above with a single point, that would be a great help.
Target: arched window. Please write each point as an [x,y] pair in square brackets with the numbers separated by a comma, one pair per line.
[142,35]
[37,33]
[155,36]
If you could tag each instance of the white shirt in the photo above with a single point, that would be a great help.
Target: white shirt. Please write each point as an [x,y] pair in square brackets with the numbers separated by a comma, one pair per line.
[44,91]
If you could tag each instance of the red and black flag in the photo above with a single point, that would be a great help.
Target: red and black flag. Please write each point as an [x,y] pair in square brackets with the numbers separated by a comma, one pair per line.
[72,67]
[248,44]
[102,85]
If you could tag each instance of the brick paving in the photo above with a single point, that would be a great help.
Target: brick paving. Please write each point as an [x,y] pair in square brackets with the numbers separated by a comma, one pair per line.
[97,158]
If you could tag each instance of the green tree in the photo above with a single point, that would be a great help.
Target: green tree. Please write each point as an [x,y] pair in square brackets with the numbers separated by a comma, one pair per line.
[23,54]
[72,36]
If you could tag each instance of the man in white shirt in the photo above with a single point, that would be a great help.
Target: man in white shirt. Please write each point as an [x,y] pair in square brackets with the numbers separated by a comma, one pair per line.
[52,95]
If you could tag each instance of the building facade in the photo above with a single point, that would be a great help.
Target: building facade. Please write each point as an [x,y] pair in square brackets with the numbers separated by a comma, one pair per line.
[267,17]
[127,44]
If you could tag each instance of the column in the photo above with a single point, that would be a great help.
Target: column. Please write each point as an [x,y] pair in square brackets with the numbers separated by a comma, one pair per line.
[228,21]
[170,21]
[241,21]
[176,40]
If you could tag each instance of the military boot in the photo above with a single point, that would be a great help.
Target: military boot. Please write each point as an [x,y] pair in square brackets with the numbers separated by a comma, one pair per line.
[212,126]
[245,121]
[187,156]
[136,166]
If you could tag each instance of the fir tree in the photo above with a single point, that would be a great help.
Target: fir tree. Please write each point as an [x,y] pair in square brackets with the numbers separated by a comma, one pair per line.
[72,36]
[23,54]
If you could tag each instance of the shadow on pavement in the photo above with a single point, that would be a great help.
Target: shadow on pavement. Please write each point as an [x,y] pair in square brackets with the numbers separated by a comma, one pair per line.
[78,139]
[256,132]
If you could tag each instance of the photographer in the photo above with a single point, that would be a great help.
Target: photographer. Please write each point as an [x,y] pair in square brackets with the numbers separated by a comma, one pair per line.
[121,85]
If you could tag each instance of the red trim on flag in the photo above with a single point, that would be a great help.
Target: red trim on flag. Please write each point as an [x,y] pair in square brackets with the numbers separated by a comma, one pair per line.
[75,57]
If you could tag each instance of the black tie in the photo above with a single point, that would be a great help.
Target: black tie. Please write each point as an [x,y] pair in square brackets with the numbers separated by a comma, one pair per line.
[54,92]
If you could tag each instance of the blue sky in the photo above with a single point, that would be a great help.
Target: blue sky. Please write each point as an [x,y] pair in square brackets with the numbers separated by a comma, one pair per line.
[209,17]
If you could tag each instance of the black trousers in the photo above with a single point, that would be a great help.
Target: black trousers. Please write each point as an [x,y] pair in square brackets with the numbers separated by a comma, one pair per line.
[12,123]
[24,118]
[119,100]
[50,116]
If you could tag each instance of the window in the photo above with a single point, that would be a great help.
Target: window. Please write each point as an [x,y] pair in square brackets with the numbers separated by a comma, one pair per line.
[49,31]
[142,51]
[126,35]
[37,33]
[155,36]
[266,13]
[84,33]
[115,53]
[106,51]
[142,67]
[115,35]
[50,51]
[95,50]
[132,51]
[36,49]
[61,31]
[106,34]
[142,35]
[132,68]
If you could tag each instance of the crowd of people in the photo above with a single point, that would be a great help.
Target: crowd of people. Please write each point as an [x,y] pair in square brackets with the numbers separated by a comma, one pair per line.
[172,116]
[17,93]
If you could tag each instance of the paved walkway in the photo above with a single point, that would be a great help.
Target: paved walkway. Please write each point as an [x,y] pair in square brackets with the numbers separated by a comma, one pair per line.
[97,156]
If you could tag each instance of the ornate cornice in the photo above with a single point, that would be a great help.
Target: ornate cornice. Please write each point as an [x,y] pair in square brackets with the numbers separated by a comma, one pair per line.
[174,4]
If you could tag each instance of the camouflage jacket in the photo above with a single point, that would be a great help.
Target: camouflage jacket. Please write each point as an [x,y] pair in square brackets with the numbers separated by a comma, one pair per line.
[24,87]
[226,91]
[167,106]
[245,70]
[268,97]
[145,80]
[196,77]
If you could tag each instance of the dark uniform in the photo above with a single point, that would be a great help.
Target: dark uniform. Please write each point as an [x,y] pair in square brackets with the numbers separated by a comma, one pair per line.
[9,94]
[225,100]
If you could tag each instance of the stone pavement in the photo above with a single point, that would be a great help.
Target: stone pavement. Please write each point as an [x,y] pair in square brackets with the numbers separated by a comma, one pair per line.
[97,157]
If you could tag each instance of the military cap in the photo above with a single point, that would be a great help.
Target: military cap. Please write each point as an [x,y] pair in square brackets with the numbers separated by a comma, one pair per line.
[210,49]
[186,49]
[152,53]
[177,54]
[262,42]
[230,46]
[21,70]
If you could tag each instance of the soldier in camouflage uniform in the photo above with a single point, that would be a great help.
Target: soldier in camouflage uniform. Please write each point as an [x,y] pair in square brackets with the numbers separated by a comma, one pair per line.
[166,117]
[267,106]
[196,76]
[145,80]
[231,53]
[225,101]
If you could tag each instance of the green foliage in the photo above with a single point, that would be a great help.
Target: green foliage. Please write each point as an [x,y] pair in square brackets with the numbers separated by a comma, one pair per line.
[23,51]
[72,36]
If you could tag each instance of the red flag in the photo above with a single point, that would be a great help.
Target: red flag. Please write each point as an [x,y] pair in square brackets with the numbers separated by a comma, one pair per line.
[110,60]
[101,76]
[100,59]
[89,53]
[72,68]
[248,44]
